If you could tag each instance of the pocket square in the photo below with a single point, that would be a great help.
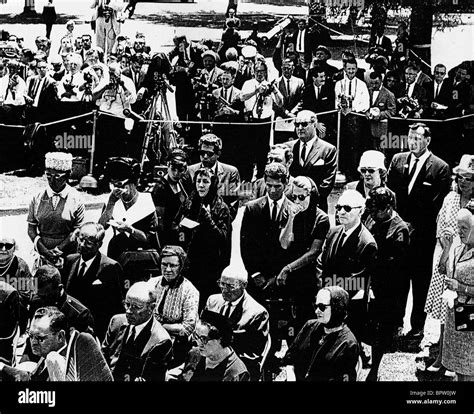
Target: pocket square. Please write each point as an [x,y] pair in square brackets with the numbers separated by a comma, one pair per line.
[319,163]
[97,282]
[426,183]
[323,99]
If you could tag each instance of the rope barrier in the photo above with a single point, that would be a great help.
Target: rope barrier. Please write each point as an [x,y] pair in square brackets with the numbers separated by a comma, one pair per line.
[420,59]
[66,119]
[397,118]
[339,33]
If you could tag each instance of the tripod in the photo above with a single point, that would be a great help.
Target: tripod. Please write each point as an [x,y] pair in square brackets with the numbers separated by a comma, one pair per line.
[162,136]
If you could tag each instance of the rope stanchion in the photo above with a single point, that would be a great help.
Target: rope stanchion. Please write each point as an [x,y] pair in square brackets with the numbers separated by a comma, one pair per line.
[421,119]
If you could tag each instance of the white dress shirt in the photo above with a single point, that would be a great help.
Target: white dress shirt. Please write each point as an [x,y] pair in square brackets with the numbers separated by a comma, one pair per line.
[421,163]
[309,145]
[359,92]
[279,205]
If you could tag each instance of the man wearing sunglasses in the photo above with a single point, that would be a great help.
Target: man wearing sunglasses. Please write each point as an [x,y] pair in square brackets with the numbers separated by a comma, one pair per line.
[420,181]
[348,257]
[313,157]
[210,148]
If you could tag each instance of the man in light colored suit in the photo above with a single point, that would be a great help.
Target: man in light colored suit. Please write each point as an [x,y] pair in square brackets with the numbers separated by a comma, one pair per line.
[312,156]
[291,88]
[210,147]
[137,347]
[249,319]
[382,107]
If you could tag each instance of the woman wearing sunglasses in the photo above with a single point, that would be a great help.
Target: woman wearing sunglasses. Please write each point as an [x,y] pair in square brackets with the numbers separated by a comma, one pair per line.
[56,212]
[325,349]
[204,230]
[373,173]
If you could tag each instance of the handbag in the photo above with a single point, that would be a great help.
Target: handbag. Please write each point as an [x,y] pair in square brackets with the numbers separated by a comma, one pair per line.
[140,265]
[463,316]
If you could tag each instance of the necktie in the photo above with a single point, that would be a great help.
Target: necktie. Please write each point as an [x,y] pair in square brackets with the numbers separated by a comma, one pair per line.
[303,154]
[300,47]
[34,88]
[131,338]
[350,88]
[437,90]
[317,92]
[340,243]
[274,211]
[288,88]
[412,171]
[55,200]
[82,271]
[408,89]
[228,310]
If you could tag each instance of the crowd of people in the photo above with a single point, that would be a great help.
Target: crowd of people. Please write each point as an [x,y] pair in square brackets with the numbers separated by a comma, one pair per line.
[149,292]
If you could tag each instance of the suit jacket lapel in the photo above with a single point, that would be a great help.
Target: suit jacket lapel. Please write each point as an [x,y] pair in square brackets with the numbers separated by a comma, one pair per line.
[313,153]
[423,172]
[93,269]
[336,242]
[74,269]
[153,336]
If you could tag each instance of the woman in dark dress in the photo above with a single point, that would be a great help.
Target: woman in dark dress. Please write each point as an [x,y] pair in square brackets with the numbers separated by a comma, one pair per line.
[325,348]
[208,244]
[213,359]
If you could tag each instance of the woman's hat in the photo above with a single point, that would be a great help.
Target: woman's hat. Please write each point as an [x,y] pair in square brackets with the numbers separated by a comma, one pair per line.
[212,54]
[60,161]
[249,52]
[466,165]
[374,159]
[324,49]
[122,168]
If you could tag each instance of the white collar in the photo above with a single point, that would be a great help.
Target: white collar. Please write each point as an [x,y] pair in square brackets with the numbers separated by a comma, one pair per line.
[309,145]
[138,328]
[63,194]
[421,159]
[87,262]
[350,231]
[279,203]
[235,302]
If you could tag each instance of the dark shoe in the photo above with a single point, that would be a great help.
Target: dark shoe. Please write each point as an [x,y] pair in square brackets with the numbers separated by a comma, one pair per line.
[414,334]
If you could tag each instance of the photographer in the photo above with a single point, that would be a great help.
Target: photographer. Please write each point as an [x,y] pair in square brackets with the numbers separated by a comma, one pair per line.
[12,101]
[118,94]
[259,96]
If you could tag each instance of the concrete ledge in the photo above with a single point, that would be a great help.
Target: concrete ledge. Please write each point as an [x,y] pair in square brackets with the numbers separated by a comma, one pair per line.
[18,211]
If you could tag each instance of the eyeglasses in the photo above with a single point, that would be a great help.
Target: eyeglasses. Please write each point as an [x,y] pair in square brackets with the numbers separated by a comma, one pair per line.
[321,306]
[37,338]
[84,240]
[227,286]
[201,338]
[367,170]
[56,176]
[208,153]
[303,124]
[437,72]
[347,209]
[133,307]
[274,159]
[171,265]
[458,176]
[6,246]
[300,197]
[119,183]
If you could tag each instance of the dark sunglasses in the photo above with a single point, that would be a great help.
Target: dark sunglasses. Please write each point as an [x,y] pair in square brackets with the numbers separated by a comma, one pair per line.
[304,124]
[300,197]
[177,167]
[208,153]
[321,306]
[437,72]
[367,170]
[57,176]
[119,183]
[7,246]
[347,209]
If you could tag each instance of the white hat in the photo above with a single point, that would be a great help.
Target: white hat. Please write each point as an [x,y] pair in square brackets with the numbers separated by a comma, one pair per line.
[466,165]
[61,161]
[249,52]
[374,159]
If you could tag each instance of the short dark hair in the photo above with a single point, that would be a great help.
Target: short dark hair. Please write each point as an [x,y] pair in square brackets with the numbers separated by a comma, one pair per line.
[316,70]
[276,171]
[48,274]
[375,75]
[211,139]
[426,129]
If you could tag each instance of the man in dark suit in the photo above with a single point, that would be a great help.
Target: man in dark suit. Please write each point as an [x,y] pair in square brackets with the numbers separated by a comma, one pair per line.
[136,70]
[51,292]
[383,42]
[382,108]
[263,219]
[210,147]
[439,93]
[312,156]
[321,56]
[137,347]
[304,44]
[348,258]
[420,181]
[90,276]
[41,95]
[411,89]
[248,318]
[185,59]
